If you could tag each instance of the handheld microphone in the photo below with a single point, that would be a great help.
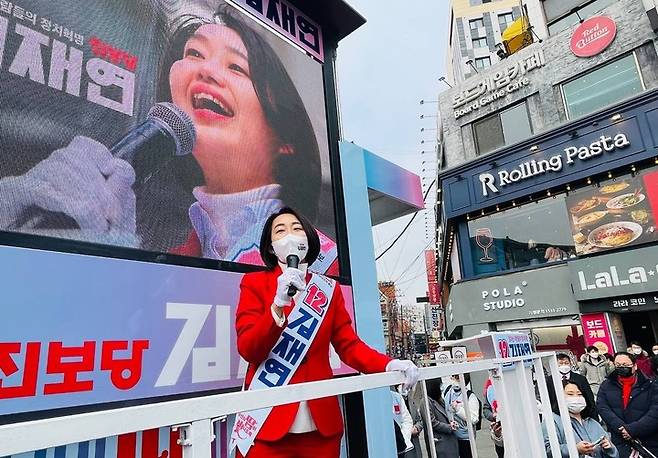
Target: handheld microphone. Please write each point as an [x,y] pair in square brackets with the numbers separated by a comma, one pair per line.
[167,131]
[292,260]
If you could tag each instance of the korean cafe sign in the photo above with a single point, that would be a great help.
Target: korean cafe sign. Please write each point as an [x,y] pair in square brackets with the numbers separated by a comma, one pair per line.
[498,85]
[541,293]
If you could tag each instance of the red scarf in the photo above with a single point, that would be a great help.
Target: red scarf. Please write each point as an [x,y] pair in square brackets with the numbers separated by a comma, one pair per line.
[626,387]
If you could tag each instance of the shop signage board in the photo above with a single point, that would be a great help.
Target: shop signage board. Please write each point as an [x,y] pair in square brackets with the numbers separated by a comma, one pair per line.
[587,147]
[593,36]
[497,85]
[634,303]
[619,274]
[597,332]
[534,294]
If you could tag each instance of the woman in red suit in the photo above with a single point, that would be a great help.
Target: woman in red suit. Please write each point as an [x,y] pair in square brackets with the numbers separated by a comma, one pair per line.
[311,428]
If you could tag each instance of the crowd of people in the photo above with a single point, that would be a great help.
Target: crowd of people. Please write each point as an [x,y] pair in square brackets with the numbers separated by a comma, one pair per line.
[612,402]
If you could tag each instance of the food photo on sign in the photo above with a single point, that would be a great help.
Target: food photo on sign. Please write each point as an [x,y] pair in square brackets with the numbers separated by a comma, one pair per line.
[618,212]
[243,118]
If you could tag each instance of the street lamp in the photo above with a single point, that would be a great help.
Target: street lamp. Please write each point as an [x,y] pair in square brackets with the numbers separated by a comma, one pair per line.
[443,80]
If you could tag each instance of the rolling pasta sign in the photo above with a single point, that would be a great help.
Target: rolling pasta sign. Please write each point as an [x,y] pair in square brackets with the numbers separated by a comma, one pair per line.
[593,36]
[493,183]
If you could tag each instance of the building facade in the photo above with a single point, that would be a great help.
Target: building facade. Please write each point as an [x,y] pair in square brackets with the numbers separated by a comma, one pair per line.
[475,31]
[549,185]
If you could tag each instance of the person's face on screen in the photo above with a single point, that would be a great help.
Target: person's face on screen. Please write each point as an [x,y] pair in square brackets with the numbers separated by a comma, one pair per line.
[286,224]
[235,145]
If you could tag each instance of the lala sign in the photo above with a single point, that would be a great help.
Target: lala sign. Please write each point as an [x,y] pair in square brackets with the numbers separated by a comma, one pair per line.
[555,163]
[610,279]
[593,36]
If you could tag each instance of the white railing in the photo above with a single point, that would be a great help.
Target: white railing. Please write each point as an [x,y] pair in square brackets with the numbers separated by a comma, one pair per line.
[195,417]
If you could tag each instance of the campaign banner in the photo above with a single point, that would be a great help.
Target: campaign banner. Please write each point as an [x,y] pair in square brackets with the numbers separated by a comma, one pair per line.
[248,134]
[81,330]
[287,20]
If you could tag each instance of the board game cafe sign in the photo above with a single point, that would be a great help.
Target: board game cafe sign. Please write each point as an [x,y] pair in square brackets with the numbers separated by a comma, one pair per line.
[497,85]
[493,183]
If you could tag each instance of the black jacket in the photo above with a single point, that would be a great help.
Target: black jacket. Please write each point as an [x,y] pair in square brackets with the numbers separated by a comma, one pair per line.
[640,418]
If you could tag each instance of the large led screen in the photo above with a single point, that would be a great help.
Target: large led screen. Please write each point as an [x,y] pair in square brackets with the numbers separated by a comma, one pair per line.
[77,78]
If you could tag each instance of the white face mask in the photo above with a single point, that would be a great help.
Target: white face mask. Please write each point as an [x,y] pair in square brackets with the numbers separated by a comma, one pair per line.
[564,369]
[637,351]
[290,244]
[655,352]
[576,404]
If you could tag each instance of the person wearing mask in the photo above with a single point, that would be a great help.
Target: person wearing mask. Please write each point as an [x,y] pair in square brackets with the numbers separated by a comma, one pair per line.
[444,429]
[641,358]
[265,322]
[654,349]
[628,404]
[595,368]
[454,401]
[565,368]
[591,439]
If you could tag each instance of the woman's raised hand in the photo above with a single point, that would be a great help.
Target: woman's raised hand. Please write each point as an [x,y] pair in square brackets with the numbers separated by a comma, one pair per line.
[290,276]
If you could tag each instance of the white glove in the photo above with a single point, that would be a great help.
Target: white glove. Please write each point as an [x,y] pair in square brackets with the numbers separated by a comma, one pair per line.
[411,372]
[290,276]
[82,180]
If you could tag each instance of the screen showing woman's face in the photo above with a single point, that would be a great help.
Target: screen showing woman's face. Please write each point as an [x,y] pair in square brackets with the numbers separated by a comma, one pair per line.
[212,83]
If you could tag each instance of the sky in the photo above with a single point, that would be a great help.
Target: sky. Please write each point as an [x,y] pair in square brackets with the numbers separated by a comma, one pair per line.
[384,69]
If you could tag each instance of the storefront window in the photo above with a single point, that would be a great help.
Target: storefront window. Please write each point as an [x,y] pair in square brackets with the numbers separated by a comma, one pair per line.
[503,128]
[585,11]
[618,212]
[603,86]
[534,234]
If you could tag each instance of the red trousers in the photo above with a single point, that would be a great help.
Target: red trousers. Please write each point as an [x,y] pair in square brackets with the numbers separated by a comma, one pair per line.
[305,445]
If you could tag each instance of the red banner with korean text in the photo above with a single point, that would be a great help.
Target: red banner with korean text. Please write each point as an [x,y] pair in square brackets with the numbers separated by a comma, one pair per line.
[597,332]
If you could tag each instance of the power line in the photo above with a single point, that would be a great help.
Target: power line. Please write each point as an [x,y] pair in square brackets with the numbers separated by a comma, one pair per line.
[429,188]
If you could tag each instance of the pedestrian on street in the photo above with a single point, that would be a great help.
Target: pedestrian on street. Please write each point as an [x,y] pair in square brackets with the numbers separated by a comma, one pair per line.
[595,368]
[454,402]
[641,358]
[445,439]
[654,349]
[628,404]
[591,439]
[565,368]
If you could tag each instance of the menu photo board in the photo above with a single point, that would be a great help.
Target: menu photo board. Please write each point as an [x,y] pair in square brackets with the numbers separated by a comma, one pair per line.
[618,212]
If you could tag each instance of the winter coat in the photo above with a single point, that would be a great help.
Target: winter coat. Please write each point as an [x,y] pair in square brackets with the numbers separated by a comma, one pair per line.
[589,431]
[595,371]
[445,440]
[640,417]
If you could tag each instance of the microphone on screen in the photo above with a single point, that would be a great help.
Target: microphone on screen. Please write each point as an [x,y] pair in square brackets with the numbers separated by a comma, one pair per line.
[167,132]
[292,260]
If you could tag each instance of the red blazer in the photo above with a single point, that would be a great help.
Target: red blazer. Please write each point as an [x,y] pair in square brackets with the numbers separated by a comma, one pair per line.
[257,333]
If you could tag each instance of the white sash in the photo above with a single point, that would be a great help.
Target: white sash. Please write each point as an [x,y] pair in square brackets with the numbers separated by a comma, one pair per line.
[286,356]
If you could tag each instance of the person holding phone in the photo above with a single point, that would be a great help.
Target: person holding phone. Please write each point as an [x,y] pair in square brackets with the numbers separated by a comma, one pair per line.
[591,438]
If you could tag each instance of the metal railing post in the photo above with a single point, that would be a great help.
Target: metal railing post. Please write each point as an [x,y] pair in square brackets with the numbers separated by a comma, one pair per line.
[196,438]
[467,411]
[562,406]
[428,417]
